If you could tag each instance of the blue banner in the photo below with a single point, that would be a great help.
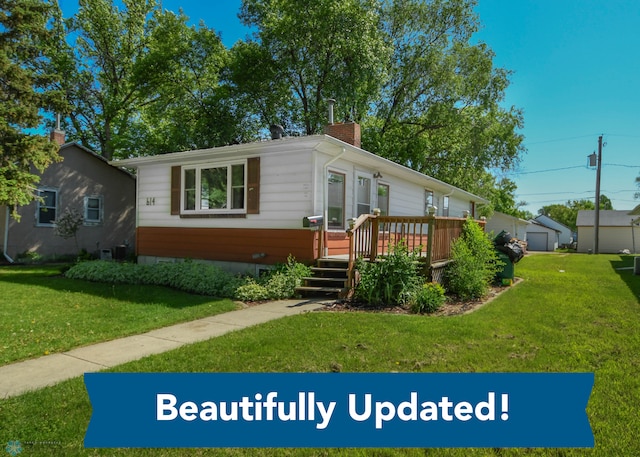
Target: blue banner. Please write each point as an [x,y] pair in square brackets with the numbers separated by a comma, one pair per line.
[158,410]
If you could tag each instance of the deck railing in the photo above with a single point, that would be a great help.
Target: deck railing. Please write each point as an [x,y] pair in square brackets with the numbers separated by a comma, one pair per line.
[371,236]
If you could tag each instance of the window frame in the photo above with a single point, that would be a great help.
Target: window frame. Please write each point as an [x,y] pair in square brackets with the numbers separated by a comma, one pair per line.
[342,224]
[230,187]
[86,220]
[40,206]
[379,206]
[429,200]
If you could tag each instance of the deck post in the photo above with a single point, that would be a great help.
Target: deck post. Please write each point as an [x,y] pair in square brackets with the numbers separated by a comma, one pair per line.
[374,239]
[431,221]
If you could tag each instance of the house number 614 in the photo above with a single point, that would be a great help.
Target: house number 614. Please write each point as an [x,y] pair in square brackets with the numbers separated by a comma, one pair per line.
[151,201]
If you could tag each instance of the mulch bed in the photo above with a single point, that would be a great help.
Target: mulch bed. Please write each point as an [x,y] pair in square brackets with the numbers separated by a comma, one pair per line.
[452,307]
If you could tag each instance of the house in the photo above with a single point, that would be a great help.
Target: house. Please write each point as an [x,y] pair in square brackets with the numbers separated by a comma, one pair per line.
[244,205]
[566,236]
[618,230]
[85,182]
[499,222]
[540,237]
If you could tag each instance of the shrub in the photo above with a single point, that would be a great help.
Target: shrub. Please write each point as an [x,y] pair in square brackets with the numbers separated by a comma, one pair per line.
[474,263]
[391,281]
[188,276]
[428,299]
[276,285]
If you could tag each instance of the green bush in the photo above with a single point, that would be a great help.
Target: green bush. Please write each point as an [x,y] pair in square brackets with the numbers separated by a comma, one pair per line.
[276,285]
[428,299]
[391,281]
[193,277]
[474,263]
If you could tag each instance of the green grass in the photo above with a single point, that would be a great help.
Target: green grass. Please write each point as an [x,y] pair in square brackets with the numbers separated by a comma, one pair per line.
[42,312]
[573,313]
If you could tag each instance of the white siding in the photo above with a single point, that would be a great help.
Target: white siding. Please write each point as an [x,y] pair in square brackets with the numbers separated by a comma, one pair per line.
[611,239]
[286,195]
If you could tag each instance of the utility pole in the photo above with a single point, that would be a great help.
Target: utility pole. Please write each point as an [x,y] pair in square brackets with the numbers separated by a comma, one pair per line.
[596,225]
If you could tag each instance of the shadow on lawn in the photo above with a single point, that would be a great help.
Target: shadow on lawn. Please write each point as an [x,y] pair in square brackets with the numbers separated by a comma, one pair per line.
[624,268]
[52,278]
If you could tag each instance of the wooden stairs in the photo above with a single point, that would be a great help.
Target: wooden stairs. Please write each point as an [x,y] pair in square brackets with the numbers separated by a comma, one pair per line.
[329,280]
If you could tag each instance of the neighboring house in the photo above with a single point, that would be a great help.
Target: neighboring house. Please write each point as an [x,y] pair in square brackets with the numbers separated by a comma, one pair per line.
[618,230]
[85,182]
[499,222]
[566,236]
[243,205]
[541,237]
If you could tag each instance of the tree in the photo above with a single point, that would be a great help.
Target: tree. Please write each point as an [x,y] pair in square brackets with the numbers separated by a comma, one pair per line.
[321,49]
[637,194]
[567,214]
[25,90]
[100,68]
[439,111]
[194,105]
[141,81]
[501,196]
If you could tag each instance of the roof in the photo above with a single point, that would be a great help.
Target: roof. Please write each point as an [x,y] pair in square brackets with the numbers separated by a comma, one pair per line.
[515,219]
[540,224]
[608,218]
[548,220]
[95,155]
[322,143]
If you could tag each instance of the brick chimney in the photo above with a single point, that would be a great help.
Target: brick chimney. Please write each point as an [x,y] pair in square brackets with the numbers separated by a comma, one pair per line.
[57,134]
[348,132]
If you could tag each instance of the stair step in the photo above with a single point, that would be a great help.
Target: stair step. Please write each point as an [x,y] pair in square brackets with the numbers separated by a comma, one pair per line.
[329,270]
[333,290]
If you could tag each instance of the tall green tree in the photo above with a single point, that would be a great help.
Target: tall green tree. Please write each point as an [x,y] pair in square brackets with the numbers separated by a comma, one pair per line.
[193,105]
[567,214]
[142,81]
[440,111]
[26,88]
[321,49]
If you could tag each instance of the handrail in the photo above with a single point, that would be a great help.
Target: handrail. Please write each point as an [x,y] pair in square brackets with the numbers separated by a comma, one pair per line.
[371,235]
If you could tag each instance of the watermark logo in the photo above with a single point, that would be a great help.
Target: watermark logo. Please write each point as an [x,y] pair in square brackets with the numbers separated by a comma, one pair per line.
[13,448]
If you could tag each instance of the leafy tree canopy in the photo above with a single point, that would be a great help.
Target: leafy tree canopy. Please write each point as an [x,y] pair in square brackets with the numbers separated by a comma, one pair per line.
[567,214]
[26,88]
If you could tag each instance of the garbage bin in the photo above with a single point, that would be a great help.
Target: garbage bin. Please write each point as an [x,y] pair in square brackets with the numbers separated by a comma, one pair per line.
[506,272]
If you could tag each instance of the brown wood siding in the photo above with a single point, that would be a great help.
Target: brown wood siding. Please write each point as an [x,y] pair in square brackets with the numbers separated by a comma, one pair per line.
[337,243]
[227,244]
[176,177]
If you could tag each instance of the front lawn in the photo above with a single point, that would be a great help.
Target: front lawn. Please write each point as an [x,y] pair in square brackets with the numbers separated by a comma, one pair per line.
[572,313]
[42,312]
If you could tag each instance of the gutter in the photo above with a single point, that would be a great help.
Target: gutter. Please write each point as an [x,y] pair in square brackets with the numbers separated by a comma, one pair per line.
[6,237]
[325,196]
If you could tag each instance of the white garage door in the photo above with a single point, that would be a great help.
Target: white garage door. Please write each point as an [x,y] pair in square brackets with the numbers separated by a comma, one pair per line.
[537,241]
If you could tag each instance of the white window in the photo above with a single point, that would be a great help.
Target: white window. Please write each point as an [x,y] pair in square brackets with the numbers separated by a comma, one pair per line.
[428,200]
[214,188]
[363,195]
[46,206]
[383,199]
[336,202]
[445,206]
[93,210]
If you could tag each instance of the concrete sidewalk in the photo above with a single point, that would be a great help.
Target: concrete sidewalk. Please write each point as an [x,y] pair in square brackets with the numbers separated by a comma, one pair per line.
[33,374]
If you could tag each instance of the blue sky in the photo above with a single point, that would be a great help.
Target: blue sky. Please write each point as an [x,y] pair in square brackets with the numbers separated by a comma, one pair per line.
[576,76]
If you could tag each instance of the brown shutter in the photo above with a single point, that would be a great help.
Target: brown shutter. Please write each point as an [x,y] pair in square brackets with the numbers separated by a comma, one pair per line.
[176,176]
[253,185]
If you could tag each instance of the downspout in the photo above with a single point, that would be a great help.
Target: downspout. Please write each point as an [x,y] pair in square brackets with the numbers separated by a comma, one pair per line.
[325,197]
[6,237]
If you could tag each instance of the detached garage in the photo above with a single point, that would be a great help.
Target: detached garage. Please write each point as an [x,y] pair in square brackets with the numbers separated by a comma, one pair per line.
[619,231]
[542,238]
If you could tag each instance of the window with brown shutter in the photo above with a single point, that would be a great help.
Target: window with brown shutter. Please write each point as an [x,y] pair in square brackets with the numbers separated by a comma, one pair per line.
[202,200]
